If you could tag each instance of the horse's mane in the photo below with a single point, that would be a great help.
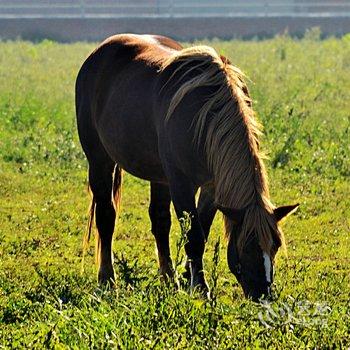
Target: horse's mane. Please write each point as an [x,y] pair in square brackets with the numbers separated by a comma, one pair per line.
[231,139]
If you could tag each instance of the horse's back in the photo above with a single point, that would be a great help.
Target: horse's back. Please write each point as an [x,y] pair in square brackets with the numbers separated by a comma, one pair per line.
[121,64]
[115,94]
[123,52]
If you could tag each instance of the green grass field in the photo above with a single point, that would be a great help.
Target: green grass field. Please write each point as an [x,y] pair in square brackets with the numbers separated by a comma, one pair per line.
[301,92]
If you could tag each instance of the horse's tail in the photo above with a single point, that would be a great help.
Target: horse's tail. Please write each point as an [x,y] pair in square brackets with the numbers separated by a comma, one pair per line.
[117,187]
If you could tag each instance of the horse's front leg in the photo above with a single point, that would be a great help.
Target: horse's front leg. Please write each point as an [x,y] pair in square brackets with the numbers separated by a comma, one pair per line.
[206,212]
[183,196]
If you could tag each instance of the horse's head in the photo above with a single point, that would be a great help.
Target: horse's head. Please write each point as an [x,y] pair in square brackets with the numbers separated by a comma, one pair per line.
[248,259]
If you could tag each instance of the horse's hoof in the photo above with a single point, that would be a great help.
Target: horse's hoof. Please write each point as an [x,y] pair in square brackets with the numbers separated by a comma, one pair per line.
[106,280]
[184,280]
[166,275]
[202,289]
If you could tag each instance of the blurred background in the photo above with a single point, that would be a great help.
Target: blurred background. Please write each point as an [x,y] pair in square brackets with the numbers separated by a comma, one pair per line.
[91,20]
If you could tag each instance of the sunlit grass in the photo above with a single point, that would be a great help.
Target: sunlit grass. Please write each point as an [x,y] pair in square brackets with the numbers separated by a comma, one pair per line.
[301,94]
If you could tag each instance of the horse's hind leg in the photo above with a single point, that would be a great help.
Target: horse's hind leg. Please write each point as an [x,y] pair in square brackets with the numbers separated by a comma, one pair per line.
[159,212]
[101,183]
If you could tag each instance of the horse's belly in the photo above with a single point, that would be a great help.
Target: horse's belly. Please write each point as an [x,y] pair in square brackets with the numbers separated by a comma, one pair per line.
[144,164]
[145,171]
[132,142]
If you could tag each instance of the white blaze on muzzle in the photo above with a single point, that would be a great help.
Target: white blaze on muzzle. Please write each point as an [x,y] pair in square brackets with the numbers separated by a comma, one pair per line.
[268,266]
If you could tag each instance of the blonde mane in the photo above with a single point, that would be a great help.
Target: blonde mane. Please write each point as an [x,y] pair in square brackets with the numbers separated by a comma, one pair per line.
[231,140]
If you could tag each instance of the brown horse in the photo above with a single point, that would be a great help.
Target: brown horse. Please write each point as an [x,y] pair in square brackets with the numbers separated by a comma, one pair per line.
[183,120]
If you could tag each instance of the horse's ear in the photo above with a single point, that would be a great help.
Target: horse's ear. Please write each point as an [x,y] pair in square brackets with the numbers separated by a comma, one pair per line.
[282,212]
[236,215]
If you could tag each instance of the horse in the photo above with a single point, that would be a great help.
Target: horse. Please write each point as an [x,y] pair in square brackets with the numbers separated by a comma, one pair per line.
[181,118]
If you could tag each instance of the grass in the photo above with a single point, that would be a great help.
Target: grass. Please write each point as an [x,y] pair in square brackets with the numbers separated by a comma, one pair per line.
[301,93]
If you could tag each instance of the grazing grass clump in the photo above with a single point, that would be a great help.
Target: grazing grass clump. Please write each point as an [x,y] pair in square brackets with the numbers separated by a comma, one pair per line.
[301,94]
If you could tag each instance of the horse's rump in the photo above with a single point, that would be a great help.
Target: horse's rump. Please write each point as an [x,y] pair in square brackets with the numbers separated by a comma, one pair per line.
[116,90]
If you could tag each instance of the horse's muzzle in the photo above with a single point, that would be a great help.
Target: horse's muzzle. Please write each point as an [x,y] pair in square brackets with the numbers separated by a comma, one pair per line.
[258,293]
